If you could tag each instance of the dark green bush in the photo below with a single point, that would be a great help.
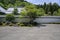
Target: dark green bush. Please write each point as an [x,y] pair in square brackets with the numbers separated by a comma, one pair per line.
[10,17]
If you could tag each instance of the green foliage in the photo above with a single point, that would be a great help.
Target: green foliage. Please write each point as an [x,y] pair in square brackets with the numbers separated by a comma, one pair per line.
[55,6]
[10,5]
[23,4]
[15,12]
[7,2]
[30,7]
[32,12]
[40,12]
[10,17]
[57,13]
[1,5]
[49,9]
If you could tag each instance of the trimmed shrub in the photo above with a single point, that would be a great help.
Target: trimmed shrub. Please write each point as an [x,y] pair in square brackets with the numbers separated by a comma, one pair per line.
[10,17]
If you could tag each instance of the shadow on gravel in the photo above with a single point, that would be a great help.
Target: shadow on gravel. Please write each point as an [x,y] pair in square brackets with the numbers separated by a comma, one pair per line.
[40,25]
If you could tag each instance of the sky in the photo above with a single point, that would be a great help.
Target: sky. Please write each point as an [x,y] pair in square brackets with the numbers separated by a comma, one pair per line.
[42,1]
